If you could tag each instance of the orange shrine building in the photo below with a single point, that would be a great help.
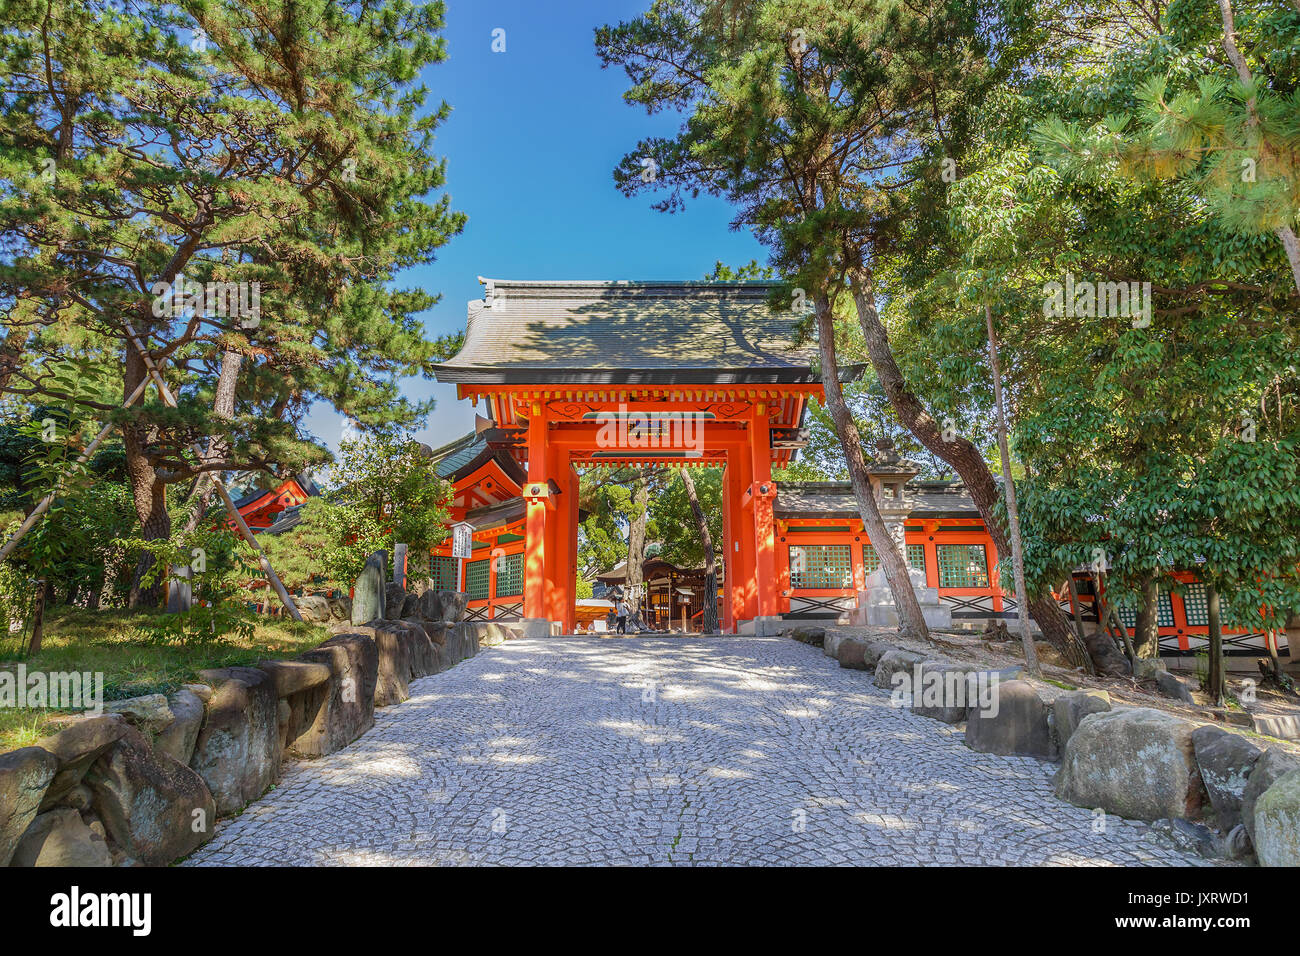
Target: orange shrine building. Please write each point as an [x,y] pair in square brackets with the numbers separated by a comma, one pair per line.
[573,376]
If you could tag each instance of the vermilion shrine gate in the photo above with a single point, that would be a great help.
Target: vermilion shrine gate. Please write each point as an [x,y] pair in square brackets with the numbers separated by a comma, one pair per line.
[578,375]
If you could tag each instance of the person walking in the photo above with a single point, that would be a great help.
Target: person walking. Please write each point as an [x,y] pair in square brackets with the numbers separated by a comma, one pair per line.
[622,615]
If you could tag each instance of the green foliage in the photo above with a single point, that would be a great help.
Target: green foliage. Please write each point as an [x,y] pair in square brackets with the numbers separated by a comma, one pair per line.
[386,490]
[606,496]
[201,626]
[219,562]
[282,146]
[674,521]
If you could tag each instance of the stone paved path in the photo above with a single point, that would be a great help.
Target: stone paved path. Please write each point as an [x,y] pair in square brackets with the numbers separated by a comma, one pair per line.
[665,751]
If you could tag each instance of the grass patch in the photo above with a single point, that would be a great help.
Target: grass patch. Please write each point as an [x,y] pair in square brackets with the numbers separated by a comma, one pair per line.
[114,643]
[1059,683]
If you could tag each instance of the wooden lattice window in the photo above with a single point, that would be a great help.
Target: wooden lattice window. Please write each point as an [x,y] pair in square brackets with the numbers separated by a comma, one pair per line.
[510,575]
[1196,602]
[870,560]
[820,566]
[1164,613]
[476,580]
[442,571]
[963,566]
[916,556]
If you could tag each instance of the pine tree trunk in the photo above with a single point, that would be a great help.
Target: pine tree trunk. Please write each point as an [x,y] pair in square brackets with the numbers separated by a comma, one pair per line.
[223,407]
[1216,678]
[148,492]
[965,459]
[636,552]
[709,621]
[1013,513]
[910,619]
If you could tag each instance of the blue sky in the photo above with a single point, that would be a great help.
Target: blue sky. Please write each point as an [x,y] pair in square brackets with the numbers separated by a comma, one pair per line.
[533,138]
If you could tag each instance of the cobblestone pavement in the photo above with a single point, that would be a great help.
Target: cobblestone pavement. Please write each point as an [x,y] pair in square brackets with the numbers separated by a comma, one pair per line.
[698,751]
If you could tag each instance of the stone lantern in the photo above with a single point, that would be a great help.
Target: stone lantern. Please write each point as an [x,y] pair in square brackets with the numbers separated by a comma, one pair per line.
[889,474]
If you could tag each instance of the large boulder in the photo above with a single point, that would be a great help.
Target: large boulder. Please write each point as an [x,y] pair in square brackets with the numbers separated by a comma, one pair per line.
[24,776]
[1138,763]
[948,691]
[151,713]
[423,655]
[340,608]
[1013,720]
[1070,708]
[808,634]
[1170,686]
[446,606]
[238,748]
[410,606]
[892,662]
[294,677]
[1277,822]
[1225,761]
[342,709]
[852,654]
[394,597]
[1106,657]
[77,747]
[60,838]
[178,738]
[394,674]
[1272,765]
[154,809]
[314,608]
[368,593]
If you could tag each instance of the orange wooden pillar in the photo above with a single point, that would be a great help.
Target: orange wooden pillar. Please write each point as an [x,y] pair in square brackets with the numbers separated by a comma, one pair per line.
[561,540]
[536,496]
[730,551]
[739,469]
[571,570]
[761,499]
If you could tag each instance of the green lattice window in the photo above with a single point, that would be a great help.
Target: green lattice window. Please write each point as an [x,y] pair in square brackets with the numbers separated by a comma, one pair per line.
[820,566]
[510,575]
[476,580]
[442,571]
[871,560]
[1197,605]
[1164,612]
[963,566]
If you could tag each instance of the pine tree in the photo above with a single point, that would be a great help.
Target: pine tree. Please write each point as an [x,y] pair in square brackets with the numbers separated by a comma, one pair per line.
[279,150]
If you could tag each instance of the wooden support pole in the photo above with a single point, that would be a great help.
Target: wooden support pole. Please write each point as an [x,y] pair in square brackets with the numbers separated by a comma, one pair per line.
[170,401]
